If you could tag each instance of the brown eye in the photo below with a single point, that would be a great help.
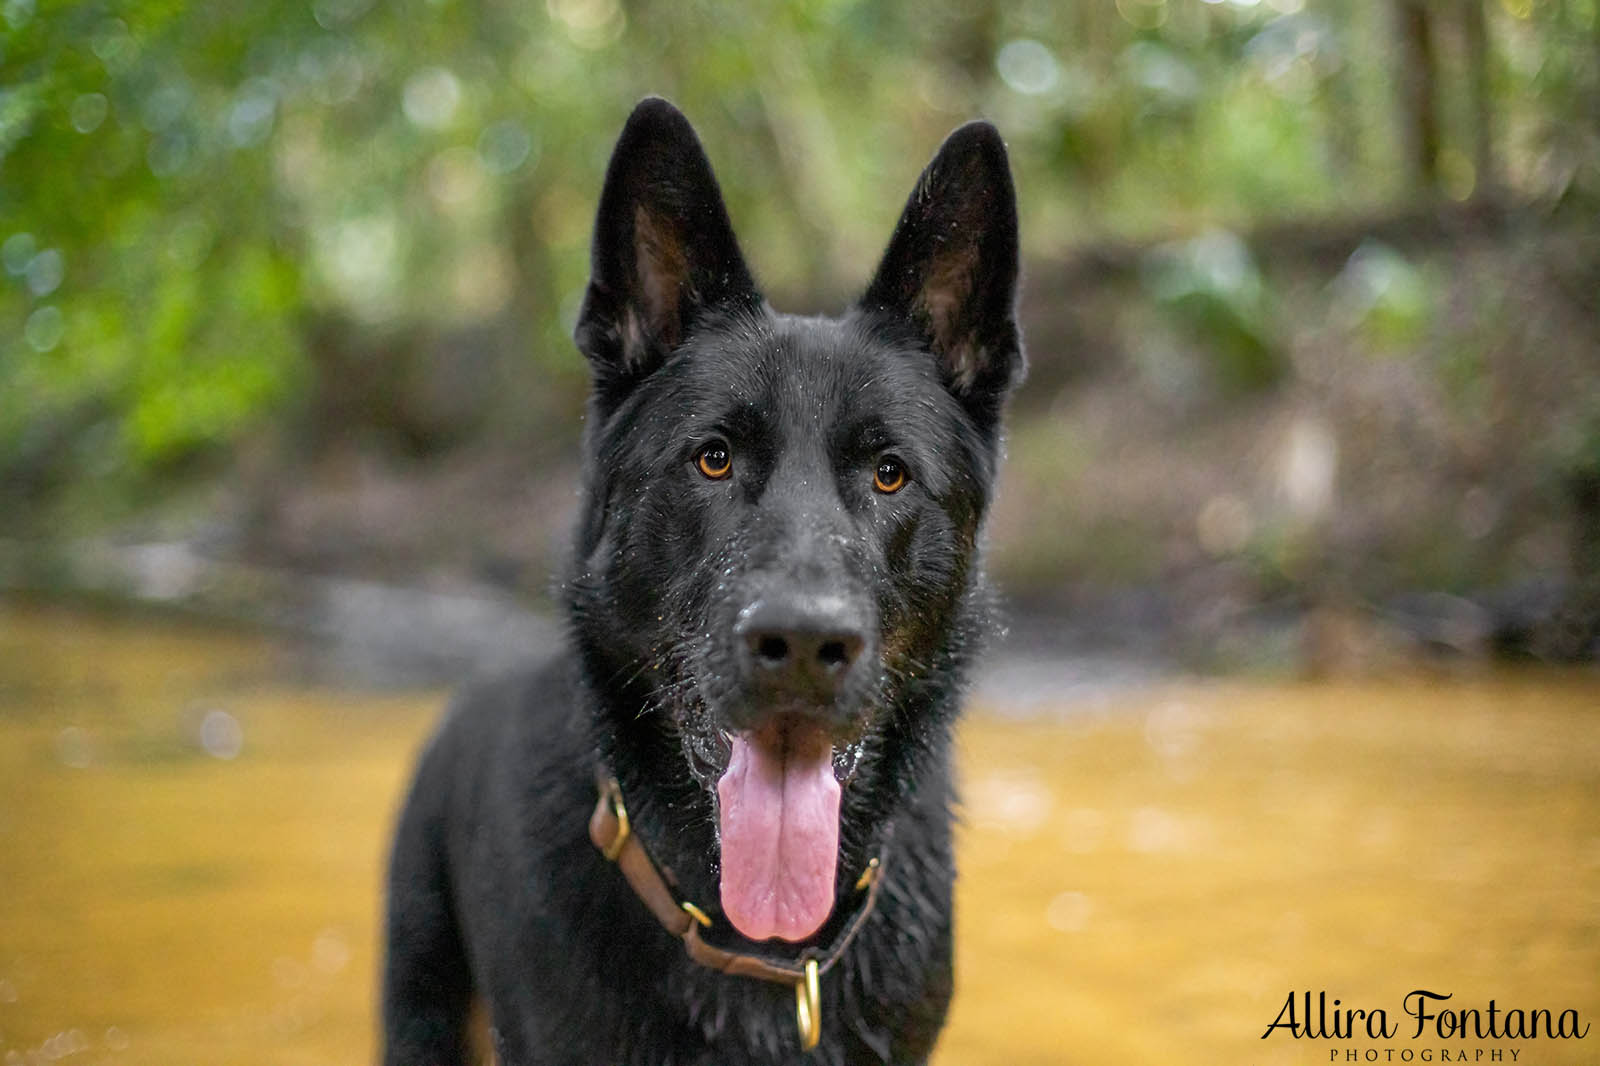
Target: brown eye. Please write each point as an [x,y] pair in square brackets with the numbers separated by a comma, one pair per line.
[714,460]
[890,475]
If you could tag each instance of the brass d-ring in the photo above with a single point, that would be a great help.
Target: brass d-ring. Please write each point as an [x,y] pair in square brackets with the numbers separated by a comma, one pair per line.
[614,794]
[808,1007]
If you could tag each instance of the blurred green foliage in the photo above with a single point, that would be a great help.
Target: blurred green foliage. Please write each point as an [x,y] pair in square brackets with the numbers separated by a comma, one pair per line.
[1385,294]
[1210,286]
[186,188]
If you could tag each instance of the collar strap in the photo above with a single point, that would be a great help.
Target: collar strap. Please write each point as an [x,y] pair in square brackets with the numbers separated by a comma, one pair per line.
[611,833]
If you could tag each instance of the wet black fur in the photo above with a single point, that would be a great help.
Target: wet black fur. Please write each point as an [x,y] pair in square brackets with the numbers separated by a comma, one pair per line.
[495,890]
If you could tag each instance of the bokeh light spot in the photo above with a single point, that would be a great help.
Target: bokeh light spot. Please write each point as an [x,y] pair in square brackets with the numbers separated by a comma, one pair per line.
[360,257]
[431,98]
[1457,175]
[1308,468]
[1152,830]
[482,281]
[18,13]
[1069,912]
[1028,67]
[250,117]
[506,146]
[1015,802]
[74,748]
[113,45]
[17,252]
[88,112]
[590,23]
[1161,71]
[1224,525]
[330,952]
[454,178]
[1143,14]
[45,272]
[332,14]
[221,735]
[44,329]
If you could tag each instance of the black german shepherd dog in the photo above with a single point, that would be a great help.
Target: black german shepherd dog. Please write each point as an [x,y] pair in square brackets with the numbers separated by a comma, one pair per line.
[774,595]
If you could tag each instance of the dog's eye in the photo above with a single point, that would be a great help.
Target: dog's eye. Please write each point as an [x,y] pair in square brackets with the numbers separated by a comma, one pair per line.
[714,460]
[890,476]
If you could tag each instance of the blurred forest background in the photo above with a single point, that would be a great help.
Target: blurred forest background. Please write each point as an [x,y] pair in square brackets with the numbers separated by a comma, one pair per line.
[1312,291]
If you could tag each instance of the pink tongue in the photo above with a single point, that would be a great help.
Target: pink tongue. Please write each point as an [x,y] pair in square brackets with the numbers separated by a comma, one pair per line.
[780,836]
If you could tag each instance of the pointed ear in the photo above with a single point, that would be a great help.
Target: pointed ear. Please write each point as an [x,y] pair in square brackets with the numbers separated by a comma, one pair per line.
[951,269]
[664,251]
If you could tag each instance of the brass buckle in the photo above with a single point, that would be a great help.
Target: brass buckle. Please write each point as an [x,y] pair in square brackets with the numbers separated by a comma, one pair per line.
[869,875]
[614,794]
[808,1007]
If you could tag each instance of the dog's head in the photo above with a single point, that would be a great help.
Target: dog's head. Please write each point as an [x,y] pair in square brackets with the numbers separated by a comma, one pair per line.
[777,559]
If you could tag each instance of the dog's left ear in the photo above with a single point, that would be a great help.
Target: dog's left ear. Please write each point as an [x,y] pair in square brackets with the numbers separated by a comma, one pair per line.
[664,252]
[951,269]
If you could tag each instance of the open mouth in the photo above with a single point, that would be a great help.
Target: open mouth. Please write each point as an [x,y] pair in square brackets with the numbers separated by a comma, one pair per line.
[708,750]
[778,802]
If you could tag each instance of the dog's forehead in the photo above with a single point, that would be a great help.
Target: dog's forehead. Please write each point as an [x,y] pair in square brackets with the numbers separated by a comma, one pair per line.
[788,367]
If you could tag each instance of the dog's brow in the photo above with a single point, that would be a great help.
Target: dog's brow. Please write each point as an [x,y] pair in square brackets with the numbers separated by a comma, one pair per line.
[745,421]
[865,434]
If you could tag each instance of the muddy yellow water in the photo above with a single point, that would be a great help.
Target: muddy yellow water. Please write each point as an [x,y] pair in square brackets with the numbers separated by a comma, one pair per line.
[191,839]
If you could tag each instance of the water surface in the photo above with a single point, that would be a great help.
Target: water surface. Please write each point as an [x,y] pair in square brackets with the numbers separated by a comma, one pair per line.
[191,843]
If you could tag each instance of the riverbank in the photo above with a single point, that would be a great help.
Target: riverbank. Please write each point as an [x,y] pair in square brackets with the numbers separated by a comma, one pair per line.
[1413,478]
[1099,643]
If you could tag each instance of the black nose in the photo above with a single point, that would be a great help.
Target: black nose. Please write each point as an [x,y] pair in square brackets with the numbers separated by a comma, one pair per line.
[804,645]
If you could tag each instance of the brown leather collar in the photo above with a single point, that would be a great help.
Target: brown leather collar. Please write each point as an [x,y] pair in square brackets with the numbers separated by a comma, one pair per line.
[610,832]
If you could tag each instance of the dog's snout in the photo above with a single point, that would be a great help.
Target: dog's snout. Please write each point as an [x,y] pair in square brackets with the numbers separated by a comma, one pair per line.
[791,649]
[803,644]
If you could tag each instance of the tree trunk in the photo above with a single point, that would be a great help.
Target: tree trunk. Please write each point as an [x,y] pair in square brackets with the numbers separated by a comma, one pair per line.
[1341,107]
[1475,31]
[1419,113]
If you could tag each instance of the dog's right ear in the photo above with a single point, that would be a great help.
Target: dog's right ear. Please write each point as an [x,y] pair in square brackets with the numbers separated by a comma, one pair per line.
[664,251]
